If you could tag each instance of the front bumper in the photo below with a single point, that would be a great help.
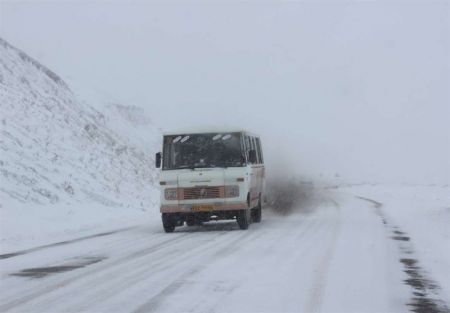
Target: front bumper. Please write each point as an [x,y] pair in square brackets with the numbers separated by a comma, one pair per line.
[216,206]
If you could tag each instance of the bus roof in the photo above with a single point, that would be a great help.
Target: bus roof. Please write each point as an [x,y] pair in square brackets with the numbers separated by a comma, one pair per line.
[207,130]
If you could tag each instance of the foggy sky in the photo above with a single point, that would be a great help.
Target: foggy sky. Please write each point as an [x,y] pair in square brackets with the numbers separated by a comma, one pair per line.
[355,88]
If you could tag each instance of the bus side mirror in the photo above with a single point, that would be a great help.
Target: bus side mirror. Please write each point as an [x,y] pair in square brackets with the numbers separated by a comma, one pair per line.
[252,156]
[158,160]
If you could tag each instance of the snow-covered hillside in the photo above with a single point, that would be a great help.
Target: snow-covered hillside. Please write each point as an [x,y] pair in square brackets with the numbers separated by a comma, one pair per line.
[59,151]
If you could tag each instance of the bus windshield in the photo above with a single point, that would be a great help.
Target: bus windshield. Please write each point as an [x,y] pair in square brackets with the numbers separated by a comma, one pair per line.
[202,151]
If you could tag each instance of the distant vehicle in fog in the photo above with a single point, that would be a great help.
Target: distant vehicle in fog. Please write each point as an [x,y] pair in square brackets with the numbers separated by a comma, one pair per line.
[211,176]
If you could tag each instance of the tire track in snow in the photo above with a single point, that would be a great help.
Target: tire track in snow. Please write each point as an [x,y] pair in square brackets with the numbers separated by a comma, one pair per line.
[296,238]
[221,290]
[105,287]
[159,275]
[227,249]
[315,298]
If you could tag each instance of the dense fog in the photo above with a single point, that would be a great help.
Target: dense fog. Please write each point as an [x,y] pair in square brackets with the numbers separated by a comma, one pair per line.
[346,210]
[348,91]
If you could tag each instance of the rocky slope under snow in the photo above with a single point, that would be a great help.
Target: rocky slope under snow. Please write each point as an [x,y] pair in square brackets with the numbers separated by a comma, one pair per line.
[57,149]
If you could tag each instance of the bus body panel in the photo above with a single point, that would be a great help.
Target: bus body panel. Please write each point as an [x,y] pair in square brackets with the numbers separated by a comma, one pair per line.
[218,192]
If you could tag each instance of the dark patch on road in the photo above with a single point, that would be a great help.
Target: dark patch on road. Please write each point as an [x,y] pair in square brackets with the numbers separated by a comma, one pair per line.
[40,272]
[17,253]
[409,262]
[423,289]
[376,204]
[402,238]
[424,305]
[425,296]
[10,255]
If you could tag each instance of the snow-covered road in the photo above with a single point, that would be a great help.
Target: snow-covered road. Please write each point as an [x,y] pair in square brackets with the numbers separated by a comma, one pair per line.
[344,254]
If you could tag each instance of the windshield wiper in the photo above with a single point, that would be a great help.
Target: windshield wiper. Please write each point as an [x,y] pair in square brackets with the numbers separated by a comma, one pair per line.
[202,166]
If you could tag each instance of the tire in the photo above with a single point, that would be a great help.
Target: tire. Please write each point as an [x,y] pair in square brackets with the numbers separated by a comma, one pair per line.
[168,223]
[243,219]
[190,221]
[169,229]
[257,213]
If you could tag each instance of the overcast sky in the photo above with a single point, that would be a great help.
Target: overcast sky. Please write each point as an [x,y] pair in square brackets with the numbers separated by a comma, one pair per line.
[358,88]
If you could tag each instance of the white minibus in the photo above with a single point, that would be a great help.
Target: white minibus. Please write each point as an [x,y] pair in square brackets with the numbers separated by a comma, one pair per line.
[211,176]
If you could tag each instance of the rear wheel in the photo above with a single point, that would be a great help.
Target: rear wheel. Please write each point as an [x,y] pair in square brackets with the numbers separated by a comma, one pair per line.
[190,221]
[243,219]
[257,213]
[168,223]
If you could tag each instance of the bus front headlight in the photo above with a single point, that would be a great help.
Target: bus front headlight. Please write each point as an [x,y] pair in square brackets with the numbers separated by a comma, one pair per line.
[171,194]
[231,191]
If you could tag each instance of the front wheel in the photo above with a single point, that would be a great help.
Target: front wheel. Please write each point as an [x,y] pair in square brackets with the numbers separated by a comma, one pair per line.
[243,219]
[169,229]
[168,223]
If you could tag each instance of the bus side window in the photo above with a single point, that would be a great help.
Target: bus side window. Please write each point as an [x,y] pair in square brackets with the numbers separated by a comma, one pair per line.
[244,148]
[254,148]
[252,144]
[247,145]
[258,143]
[258,151]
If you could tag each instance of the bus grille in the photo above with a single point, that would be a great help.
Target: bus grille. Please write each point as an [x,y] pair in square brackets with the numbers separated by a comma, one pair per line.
[202,193]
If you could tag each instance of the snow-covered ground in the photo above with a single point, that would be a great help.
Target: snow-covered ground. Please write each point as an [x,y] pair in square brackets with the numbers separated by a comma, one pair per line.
[28,226]
[68,166]
[353,249]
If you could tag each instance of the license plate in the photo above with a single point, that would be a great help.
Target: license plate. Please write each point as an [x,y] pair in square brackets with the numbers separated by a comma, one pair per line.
[202,208]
